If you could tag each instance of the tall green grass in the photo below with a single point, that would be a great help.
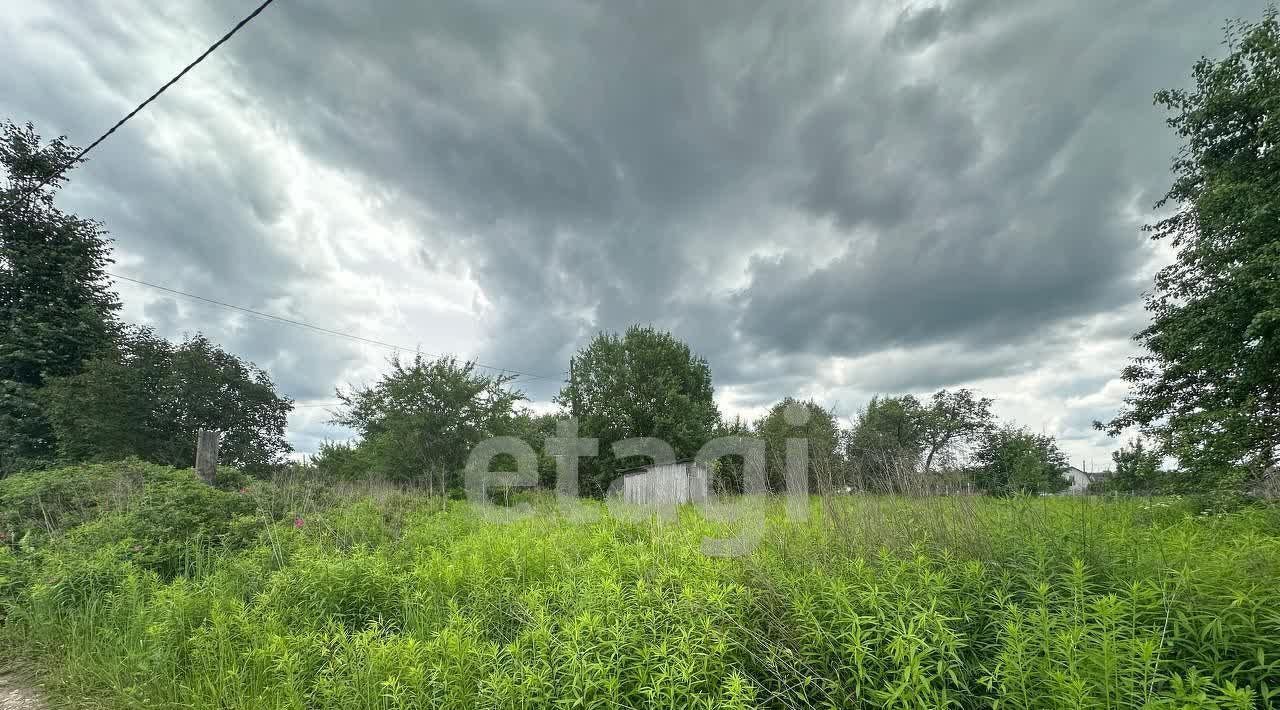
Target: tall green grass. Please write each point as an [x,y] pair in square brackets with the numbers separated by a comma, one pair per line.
[395,601]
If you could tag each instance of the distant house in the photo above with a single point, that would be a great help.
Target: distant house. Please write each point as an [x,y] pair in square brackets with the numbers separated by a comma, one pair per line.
[1081,480]
[666,484]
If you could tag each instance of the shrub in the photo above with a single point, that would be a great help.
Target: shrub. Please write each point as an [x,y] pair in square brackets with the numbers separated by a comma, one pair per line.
[177,520]
[50,502]
[54,500]
[158,518]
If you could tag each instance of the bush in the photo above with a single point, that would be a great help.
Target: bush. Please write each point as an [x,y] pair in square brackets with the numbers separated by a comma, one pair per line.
[341,461]
[51,501]
[159,518]
[176,522]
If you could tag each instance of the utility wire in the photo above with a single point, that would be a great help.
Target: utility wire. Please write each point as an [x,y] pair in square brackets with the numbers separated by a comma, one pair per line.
[80,156]
[313,327]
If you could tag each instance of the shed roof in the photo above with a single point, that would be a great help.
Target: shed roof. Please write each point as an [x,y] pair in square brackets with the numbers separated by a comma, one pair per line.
[646,467]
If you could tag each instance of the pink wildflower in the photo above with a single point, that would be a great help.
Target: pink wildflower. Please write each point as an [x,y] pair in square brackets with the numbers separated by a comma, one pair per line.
[298,522]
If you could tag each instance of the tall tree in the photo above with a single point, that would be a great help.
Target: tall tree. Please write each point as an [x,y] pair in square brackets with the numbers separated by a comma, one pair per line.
[1208,386]
[885,445]
[728,473]
[645,383]
[952,420]
[55,307]
[810,421]
[147,397]
[420,421]
[1137,468]
[534,430]
[1010,460]
[341,461]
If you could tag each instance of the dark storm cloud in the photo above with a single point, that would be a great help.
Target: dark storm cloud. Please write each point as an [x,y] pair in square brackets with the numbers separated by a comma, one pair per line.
[202,218]
[197,216]
[575,149]
[944,193]
[982,162]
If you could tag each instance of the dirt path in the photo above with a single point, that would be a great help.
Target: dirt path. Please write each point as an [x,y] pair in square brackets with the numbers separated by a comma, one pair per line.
[17,694]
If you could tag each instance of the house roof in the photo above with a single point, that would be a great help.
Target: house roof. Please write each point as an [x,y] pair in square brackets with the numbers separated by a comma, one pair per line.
[1091,477]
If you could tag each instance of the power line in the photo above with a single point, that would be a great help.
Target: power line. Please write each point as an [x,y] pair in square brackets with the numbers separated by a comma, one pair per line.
[316,328]
[177,77]
[80,156]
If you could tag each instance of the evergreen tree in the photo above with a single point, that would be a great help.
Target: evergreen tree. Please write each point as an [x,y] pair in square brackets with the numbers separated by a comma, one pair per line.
[55,306]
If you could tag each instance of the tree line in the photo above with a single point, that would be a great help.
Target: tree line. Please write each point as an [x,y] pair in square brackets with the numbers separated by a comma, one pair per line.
[420,421]
[78,384]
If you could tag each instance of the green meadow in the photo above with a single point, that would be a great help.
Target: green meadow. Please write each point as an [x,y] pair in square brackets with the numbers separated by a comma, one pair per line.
[132,585]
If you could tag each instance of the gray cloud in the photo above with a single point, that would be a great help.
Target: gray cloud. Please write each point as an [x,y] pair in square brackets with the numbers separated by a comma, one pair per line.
[941,194]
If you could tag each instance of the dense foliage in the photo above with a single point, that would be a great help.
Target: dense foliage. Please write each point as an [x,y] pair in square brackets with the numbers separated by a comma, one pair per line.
[389,601]
[146,396]
[644,383]
[158,517]
[806,420]
[1136,469]
[55,307]
[1208,389]
[420,421]
[341,461]
[884,446]
[1012,460]
[901,444]
[74,384]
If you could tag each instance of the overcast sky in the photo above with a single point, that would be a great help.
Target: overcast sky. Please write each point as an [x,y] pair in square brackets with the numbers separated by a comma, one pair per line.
[825,199]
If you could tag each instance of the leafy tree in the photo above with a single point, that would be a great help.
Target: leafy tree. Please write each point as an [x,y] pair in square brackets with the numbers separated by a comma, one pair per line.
[1011,460]
[1137,468]
[728,472]
[534,429]
[341,461]
[147,397]
[55,307]
[1208,387]
[952,420]
[421,420]
[817,425]
[645,383]
[884,447]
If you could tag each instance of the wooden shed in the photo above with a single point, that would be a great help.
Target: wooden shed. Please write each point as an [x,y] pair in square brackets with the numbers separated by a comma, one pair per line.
[666,484]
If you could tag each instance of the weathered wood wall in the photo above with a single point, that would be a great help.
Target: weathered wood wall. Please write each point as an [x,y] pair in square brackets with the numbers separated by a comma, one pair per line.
[666,484]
